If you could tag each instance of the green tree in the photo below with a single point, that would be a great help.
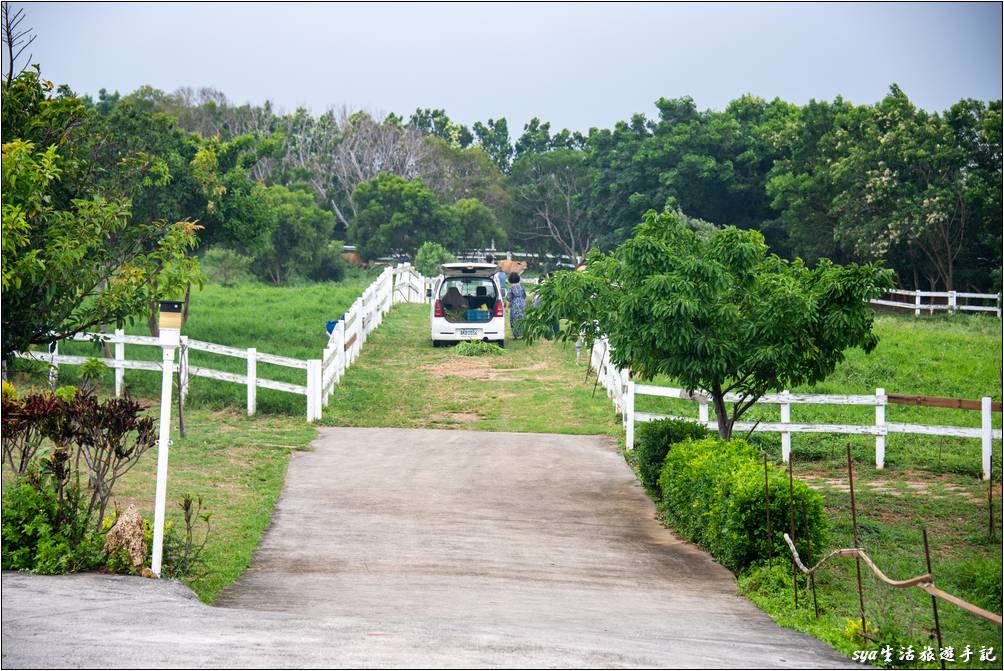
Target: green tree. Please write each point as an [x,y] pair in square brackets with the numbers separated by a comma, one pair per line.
[550,202]
[237,212]
[430,256]
[299,239]
[493,138]
[396,214]
[436,123]
[69,270]
[473,225]
[716,313]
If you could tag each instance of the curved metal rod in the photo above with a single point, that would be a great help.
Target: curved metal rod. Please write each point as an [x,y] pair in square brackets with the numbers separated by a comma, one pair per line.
[924,582]
[855,552]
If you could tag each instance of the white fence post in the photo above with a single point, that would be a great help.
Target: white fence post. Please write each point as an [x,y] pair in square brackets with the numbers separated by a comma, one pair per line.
[183,377]
[252,380]
[916,303]
[953,301]
[786,419]
[53,366]
[629,416]
[702,410]
[987,429]
[880,401]
[313,389]
[119,358]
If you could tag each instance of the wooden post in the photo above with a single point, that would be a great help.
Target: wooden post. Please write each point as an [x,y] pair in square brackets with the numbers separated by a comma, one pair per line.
[629,416]
[953,301]
[916,303]
[986,404]
[252,380]
[119,358]
[786,435]
[880,401]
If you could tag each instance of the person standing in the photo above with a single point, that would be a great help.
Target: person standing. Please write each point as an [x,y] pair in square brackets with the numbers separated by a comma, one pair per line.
[517,304]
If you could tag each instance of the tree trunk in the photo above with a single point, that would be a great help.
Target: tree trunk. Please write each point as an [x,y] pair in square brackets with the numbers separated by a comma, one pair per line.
[721,414]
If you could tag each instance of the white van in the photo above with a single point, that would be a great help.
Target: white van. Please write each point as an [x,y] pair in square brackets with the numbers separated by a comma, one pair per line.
[467,304]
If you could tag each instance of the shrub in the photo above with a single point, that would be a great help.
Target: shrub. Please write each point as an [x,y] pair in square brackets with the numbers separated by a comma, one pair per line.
[225,266]
[713,493]
[42,534]
[329,264]
[654,441]
[430,256]
[478,348]
[54,508]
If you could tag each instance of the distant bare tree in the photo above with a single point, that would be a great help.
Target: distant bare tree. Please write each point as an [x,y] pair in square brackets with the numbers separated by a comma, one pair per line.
[15,39]
[341,150]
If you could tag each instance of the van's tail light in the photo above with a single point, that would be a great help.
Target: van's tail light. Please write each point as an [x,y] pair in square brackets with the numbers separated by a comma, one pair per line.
[498,309]
[439,309]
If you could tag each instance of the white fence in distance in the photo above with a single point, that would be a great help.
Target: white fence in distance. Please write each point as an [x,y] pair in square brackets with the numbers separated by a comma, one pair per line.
[623,391]
[950,303]
[394,285]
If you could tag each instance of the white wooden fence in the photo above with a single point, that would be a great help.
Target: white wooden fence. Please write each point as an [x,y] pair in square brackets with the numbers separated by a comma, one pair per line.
[950,301]
[624,391]
[394,285]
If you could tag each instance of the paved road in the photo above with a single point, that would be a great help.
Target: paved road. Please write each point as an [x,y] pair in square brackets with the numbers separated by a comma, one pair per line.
[401,547]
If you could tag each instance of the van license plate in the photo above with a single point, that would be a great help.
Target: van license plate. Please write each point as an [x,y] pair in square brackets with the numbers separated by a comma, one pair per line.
[470,333]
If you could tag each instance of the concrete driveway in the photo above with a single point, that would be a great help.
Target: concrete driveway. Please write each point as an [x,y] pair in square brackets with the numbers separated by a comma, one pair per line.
[424,548]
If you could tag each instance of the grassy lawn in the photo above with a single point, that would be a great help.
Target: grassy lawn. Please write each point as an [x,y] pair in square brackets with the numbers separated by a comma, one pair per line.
[276,320]
[401,380]
[237,464]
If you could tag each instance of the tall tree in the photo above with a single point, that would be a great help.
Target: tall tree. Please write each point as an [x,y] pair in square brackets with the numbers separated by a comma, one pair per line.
[550,203]
[716,313]
[493,138]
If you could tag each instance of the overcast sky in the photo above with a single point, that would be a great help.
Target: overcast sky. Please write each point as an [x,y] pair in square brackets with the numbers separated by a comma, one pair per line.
[575,65]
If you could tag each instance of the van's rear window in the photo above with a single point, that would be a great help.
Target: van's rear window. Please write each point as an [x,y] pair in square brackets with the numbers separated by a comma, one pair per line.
[468,299]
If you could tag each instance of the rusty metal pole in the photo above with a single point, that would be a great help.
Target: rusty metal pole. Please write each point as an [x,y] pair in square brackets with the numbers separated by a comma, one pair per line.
[857,543]
[808,560]
[934,600]
[791,522]
[600,369]
[766,511]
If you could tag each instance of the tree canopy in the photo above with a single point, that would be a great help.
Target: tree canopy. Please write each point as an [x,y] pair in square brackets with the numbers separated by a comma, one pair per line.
[715,312]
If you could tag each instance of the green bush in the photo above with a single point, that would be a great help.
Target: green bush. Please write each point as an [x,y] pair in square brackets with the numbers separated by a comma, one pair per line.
[40,535]
[329,264]
[713,494]
[430,256]
[653,442]
[225,266]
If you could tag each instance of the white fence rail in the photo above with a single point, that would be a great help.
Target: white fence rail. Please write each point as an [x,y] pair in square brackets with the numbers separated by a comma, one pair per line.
[950,302]
[394,285]
[623,391]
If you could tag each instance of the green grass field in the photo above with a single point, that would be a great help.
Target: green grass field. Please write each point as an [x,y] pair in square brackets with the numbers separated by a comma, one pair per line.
[401,380]
[288,321]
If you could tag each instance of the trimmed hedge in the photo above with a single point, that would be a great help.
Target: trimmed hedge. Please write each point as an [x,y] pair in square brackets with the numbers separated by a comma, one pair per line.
[713,494]
[654,441]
